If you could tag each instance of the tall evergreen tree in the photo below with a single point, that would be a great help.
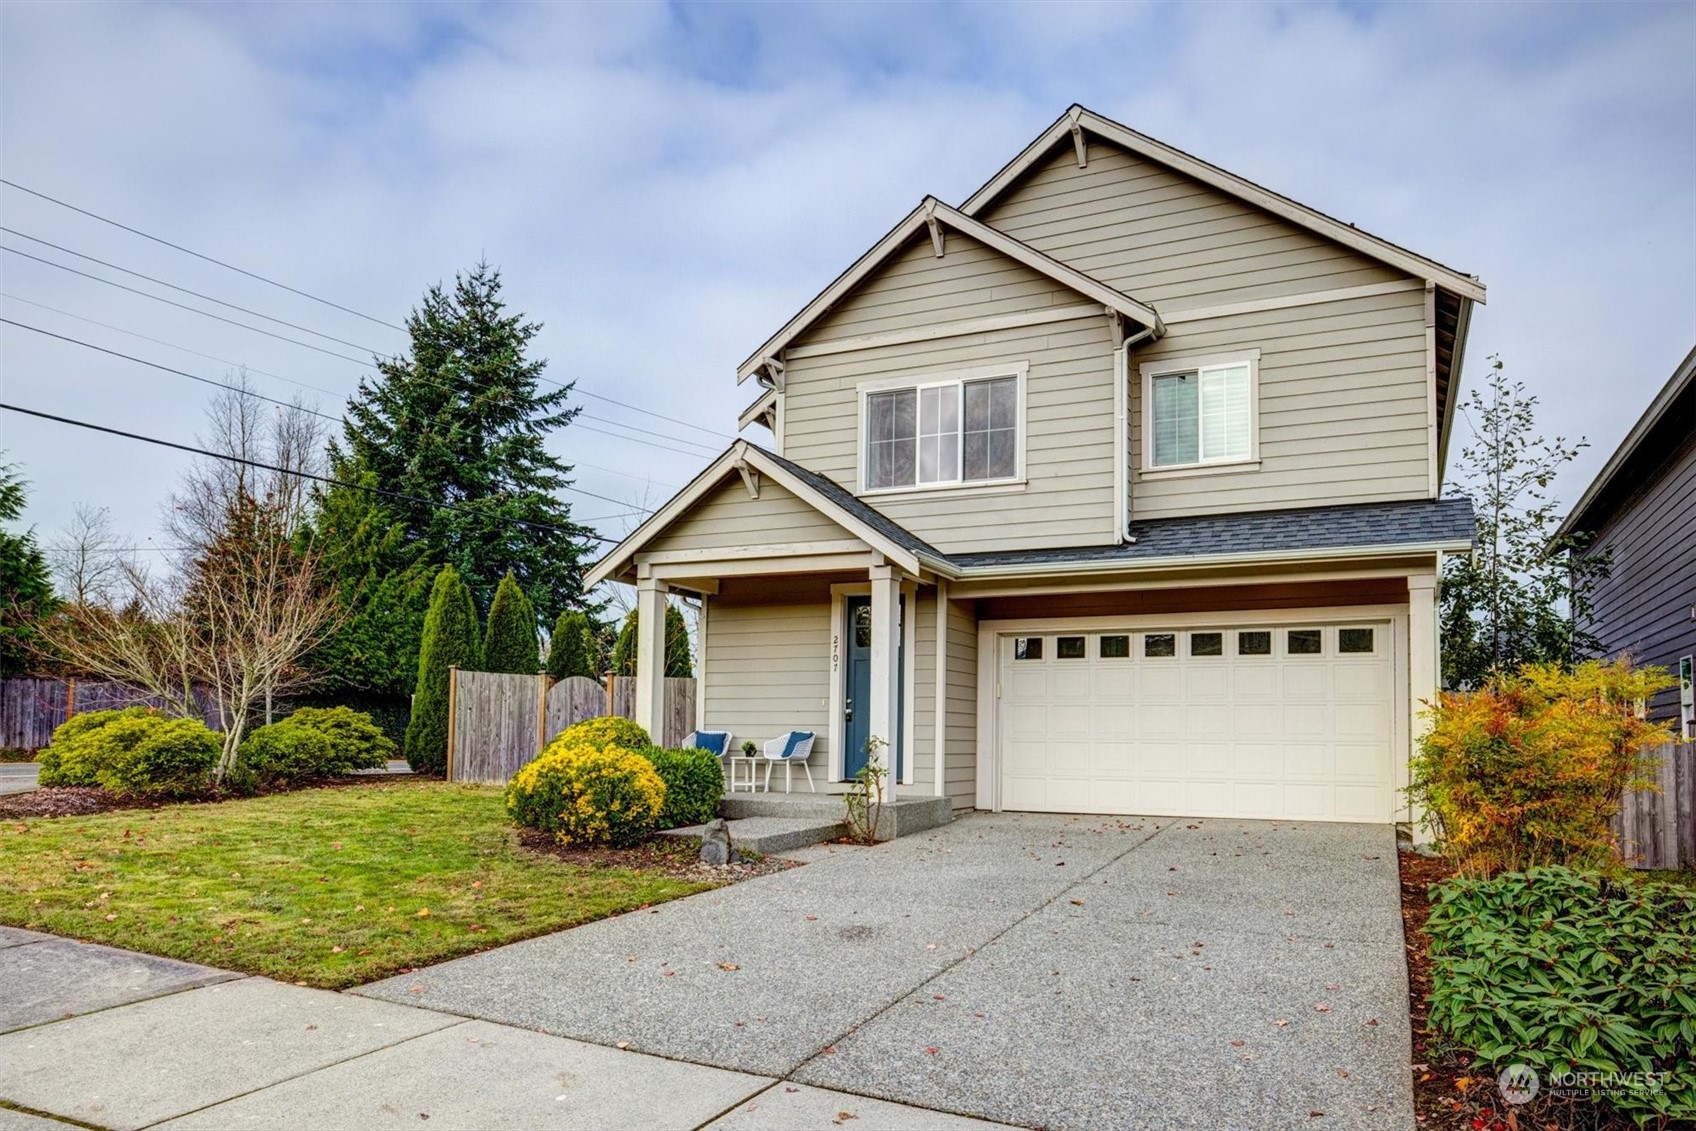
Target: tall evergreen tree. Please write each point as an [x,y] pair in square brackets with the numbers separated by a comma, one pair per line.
[451,639]
[678,660]
[26,586]
[573,648]
[460,418]
[511,644]
[383,586]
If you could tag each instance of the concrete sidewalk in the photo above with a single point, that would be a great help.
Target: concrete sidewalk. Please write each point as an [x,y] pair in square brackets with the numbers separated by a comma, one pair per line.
[121,1040]
[18,777]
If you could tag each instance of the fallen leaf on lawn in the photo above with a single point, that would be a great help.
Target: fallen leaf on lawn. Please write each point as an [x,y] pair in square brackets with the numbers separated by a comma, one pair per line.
[338,846]
[359,907]
[335,950]
[423,913]
[728,966]
[306,920]
[476,883]
[235,875]
[109,918]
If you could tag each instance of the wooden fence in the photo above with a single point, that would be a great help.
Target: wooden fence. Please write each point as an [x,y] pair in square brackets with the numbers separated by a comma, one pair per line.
[499,722]
[31,707]
[1658,829]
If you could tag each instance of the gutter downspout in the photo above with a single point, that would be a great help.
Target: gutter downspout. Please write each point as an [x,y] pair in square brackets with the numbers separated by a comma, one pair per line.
[1122,434]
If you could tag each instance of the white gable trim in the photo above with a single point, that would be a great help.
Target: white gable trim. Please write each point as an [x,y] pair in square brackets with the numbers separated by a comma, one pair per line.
[754,412]
[738,455]
[1193,167]
[932,211]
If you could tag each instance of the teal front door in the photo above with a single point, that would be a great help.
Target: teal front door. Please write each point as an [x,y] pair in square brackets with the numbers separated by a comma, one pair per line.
[857,690]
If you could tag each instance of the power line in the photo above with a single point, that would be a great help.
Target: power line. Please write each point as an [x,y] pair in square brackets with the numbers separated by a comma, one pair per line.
[187,291]
[198,255]
[168,369]
[185,306]
[172,345]
[315,478]
[661,415]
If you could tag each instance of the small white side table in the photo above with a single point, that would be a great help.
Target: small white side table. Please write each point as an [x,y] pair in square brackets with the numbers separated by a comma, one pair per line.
[736,777]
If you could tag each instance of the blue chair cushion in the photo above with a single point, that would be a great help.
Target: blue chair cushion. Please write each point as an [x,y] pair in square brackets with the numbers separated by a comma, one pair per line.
[796,738]
[712,741]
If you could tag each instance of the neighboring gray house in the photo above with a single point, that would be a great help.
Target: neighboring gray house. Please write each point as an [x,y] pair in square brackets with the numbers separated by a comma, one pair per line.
[1113,490]
[1641,512]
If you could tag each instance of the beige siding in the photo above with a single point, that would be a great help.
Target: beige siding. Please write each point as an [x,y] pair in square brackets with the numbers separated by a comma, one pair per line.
[1168,240]
[1343,409]
[1067,499]
[962,738]
[728,518]
[768,671]
[923,706]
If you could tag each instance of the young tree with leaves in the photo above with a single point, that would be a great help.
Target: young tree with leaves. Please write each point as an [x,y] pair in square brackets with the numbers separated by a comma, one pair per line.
[26,588]
[1518,599]
[511,644]
[461,418]
[451,640]
[574,647]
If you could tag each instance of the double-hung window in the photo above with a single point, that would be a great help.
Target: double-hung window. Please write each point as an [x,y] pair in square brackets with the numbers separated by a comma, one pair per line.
[942,433]
[1200,414]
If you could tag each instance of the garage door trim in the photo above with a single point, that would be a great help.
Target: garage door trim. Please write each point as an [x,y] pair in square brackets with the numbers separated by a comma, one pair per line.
[990,632]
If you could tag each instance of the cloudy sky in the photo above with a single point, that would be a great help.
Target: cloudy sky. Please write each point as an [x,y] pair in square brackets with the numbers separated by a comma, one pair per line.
[663,185]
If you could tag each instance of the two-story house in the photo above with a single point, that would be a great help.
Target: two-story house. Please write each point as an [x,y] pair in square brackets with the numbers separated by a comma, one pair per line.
[1112,490]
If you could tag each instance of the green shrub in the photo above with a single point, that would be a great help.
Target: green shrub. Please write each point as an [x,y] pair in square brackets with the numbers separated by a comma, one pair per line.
[679,662]
[588,795]
[694,785]
[135,750]
[451,639]
[315,742]
[510,644]
[1568,971]
[1530,769]
[572,648]
[606,730]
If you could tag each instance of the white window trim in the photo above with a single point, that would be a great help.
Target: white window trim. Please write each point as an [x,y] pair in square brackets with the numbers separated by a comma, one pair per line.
[1152,369]
[1016,369]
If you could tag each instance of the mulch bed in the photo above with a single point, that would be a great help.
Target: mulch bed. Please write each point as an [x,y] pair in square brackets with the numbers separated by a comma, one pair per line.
[1449,1091]
[669,856]
[80,801]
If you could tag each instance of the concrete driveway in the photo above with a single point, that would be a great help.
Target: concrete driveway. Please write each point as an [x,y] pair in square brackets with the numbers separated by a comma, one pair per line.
[18,777]
[1040,971]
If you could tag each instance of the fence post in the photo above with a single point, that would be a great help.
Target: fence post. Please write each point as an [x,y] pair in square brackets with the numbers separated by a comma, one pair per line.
[453,709]
[70,697]
[542,682]
[612,699]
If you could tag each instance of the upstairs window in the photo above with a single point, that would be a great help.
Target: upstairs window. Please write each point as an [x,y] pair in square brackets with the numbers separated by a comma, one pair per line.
[942,433]
[1199,414]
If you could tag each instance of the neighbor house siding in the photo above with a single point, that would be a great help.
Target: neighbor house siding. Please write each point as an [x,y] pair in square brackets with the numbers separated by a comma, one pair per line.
[729,518]
[1067,498]
[1645,606]
[961,781]
[1165,239]
[768,663]
[1344,409]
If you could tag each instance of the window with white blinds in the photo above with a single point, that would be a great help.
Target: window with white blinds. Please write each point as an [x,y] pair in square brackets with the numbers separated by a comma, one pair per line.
[1201,415]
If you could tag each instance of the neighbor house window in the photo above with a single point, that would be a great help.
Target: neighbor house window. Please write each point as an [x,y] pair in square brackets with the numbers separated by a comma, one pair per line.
[941,433]
[1201,414]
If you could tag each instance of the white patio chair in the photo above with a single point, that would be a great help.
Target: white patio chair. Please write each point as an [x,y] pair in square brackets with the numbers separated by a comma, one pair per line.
[787,750]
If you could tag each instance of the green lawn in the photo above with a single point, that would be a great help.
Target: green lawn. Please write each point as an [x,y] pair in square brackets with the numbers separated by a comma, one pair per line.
[330,887]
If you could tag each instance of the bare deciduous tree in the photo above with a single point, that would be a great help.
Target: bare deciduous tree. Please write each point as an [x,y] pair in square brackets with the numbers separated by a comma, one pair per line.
[244,603]
[86,557]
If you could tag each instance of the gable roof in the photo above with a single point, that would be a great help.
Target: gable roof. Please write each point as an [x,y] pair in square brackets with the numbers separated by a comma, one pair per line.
[1675,405]
[1087,121]
[932,210]
[888,538]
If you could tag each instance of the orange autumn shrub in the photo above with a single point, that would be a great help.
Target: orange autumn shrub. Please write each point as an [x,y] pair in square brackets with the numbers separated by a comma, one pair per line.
[1530,769]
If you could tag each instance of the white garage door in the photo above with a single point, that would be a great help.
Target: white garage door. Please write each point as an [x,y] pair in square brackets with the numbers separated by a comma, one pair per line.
[1287,721]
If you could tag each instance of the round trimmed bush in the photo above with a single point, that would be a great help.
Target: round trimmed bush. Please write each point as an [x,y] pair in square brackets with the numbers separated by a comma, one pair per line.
[316,742]
[694,785]
[133,750]
[584,794]
[607,730]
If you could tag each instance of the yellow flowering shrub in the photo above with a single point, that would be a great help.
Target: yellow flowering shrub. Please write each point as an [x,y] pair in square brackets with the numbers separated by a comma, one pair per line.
[606,730]
[1529,770]
[587,794]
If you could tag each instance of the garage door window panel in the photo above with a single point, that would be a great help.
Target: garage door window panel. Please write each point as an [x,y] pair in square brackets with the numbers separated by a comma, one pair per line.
[1355,641]
[1115,647]
[1027,648]
[1160,644]
[1257,642]
[1207,643]
[1305,642]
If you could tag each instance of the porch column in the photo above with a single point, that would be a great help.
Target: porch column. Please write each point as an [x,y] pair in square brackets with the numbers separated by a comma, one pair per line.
[886,677]
[1425,675]
[650,652]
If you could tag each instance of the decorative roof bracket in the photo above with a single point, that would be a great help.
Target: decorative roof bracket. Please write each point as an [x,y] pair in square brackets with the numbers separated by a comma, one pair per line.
[1079,142]
[934,225]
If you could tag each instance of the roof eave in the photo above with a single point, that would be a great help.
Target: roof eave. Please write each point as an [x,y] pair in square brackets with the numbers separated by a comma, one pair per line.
[1249,557]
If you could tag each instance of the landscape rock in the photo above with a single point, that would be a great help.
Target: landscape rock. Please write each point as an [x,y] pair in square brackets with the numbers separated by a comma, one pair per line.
[715,843]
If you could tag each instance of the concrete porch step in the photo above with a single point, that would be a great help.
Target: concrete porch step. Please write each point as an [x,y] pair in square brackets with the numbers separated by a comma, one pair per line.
[767,835]
[902,816]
